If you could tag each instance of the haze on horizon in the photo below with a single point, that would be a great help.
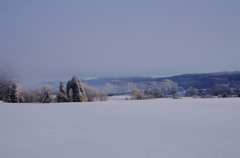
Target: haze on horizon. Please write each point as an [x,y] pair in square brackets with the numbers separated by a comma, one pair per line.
[54,40]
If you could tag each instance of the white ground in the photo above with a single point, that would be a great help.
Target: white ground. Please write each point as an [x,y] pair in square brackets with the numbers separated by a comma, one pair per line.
[186,128]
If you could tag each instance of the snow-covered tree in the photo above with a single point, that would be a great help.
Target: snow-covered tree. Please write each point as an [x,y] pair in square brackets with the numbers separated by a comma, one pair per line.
[61,94]
[78,93]
[94,94]
[69,91]
[12,93]
[21,99]
[8,75]
[45,96]
[61,87]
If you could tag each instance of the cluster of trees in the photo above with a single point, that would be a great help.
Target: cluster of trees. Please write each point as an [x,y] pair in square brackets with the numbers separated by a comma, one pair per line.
[147,94]
[150,90]
[43,95]
[78,92]
[118,87]
[75,92]
[220,90]
[206,80]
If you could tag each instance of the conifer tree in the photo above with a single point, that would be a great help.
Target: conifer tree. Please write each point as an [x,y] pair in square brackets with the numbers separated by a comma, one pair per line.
[12,93]
[78,93]
[61,94]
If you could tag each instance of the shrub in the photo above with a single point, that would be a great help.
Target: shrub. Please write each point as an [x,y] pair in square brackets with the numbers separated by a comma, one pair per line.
[208,96]
[154,93]
[175,96]
[138,95]
[195,96]
[224,95]
[191,92]
[21,99]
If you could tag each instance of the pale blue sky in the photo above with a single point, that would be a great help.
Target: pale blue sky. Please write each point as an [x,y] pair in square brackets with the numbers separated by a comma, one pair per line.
[47,40]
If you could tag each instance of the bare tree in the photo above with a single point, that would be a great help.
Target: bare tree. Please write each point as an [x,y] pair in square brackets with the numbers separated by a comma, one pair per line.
[90,93]
[94,95]
[101,96]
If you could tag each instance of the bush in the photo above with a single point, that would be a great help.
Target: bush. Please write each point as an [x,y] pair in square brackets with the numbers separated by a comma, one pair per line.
[154,93]
[138,95]
[175,96]
[224,95]
[101,96]
[208,96]
[191,92]
[195,96]
[21,100]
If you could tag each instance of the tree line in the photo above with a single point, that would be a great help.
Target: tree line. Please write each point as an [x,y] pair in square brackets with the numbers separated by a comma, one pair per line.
[75,91]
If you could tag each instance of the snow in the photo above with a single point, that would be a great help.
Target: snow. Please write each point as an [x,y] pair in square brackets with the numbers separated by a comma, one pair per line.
[187,128]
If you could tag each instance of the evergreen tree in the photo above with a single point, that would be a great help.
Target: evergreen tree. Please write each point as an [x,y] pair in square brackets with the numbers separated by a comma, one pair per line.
[12,93]
[78,93]
[45,94]
[61,95]
[61,87]
[47,98]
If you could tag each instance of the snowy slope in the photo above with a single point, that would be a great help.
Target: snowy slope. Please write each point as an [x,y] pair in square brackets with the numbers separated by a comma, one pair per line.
[187,128]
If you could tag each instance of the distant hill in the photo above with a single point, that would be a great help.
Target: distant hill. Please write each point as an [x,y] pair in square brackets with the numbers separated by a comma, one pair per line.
[199,80]
[205,80]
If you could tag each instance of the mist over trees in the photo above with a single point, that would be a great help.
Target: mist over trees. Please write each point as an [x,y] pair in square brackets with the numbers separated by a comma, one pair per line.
[165,87]
[8,76]
[12,93]
[75,92]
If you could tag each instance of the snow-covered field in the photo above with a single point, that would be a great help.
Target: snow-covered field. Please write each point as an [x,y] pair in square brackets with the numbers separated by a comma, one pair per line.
[186,128]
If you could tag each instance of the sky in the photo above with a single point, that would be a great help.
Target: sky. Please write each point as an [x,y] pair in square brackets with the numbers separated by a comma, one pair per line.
[54,39]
